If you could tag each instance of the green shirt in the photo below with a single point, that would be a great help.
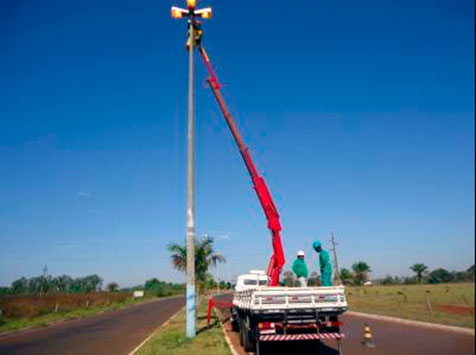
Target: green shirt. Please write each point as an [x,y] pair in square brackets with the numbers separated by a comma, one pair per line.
[325,262]
[300,268]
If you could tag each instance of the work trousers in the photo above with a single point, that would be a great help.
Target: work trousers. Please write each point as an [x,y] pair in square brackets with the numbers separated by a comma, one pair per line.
[326,279]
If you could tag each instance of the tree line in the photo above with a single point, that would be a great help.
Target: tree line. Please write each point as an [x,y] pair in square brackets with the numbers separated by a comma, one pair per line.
[47,284]
[436,276]
[358,275]
[44,284]
[359,272]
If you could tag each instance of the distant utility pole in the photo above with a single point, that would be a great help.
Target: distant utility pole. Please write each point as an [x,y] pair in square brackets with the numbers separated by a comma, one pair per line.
[192,14]
[336,265]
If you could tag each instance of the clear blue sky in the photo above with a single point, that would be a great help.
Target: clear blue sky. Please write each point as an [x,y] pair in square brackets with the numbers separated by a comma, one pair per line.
[359,114]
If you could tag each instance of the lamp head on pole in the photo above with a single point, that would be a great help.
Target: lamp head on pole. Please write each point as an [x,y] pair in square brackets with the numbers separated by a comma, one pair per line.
[178,12]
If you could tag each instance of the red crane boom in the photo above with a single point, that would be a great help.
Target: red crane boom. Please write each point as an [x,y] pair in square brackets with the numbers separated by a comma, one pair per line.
[277,259]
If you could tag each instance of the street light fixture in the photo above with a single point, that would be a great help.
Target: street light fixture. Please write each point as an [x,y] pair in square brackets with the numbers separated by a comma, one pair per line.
[194,30]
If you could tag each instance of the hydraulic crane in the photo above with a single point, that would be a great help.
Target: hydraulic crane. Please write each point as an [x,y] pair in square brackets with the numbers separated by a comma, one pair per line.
[277,259]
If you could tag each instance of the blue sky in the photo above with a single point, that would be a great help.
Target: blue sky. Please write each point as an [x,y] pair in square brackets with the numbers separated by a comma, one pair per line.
[360,115]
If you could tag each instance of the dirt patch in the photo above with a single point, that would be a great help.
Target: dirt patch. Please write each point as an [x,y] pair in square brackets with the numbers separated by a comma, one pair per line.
[452,309]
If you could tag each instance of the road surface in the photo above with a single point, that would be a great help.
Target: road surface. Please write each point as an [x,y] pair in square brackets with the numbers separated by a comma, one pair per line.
[116,332]
[390,338]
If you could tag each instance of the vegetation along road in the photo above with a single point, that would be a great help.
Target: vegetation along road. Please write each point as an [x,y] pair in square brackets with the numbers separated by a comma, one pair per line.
[109,333]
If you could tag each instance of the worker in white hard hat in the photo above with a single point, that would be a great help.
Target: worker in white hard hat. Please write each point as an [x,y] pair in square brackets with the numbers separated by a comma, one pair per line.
[300,269]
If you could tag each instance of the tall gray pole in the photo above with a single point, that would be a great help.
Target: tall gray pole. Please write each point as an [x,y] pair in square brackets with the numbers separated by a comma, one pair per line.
[191,302]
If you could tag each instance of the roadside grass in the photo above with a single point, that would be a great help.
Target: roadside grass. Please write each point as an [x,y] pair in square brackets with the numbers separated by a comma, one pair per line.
[12,324]
[410,302]
[171,338]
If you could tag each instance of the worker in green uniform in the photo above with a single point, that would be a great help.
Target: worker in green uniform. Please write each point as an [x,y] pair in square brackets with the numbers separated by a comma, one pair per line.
[300,269]
[324,263]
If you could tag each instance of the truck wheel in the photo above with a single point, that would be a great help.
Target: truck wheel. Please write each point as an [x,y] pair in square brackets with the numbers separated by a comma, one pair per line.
[248,343]
[240,327]
[234,320]
[258,344]
[246,339]
[234,325]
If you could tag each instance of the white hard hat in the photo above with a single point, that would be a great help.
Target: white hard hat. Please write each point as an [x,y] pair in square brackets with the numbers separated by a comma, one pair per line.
[300,253]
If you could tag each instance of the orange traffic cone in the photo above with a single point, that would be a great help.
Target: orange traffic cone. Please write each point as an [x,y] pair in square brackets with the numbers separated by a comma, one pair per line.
[368,340]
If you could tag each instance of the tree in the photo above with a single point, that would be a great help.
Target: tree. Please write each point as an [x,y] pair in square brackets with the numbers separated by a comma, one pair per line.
[440,276]
[20,286]
[112,286]
[90,283]
[4,291]
[346,276]
[160,288]
[470,273]
[361,270]
[93,283]
[205,257]
[62,283]
[419,269]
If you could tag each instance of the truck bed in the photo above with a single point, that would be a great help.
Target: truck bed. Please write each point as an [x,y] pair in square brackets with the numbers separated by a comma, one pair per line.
[277,299]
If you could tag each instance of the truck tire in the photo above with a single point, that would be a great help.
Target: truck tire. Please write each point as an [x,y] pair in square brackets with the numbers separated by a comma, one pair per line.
[240,327]
[248,343]
[245,339]
[234,322]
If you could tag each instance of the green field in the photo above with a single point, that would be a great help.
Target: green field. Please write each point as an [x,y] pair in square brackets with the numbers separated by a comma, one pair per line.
[171,339]
[451,304]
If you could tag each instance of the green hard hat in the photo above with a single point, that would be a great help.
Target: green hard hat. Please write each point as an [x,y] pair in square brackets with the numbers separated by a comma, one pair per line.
[316,244]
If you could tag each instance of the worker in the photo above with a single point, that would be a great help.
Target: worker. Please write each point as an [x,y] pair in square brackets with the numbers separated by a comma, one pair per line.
[300,269]
[324,264]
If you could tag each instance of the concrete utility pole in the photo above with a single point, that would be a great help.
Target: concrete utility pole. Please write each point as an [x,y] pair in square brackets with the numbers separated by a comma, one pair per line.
[191,13]
[336,265]
[191,303]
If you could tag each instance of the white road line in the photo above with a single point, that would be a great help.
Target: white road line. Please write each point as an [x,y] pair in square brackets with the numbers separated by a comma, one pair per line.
[417,323]
[227,339]
[155,330]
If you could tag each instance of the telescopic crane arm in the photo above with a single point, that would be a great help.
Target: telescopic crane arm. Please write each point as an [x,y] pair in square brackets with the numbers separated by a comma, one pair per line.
[277,259]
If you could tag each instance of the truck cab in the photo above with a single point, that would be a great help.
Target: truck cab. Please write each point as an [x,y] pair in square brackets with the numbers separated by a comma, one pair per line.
[253,280]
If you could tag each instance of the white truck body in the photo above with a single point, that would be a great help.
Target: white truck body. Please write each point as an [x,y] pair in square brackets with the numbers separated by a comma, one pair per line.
[265,298]
[253,293]
[263,313]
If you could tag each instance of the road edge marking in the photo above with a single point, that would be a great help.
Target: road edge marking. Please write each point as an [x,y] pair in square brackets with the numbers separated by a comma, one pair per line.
[451,328]
[227,339]
[163,325]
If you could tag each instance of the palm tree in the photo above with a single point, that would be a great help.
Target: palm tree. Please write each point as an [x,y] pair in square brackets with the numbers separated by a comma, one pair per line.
[419,269]
[205,256]
[361,270]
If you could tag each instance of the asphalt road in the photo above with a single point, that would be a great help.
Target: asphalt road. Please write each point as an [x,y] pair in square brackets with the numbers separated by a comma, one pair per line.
[116,332]
[389,337]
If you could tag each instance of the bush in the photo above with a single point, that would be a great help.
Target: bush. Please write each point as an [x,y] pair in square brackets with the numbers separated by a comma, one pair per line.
[440,276]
